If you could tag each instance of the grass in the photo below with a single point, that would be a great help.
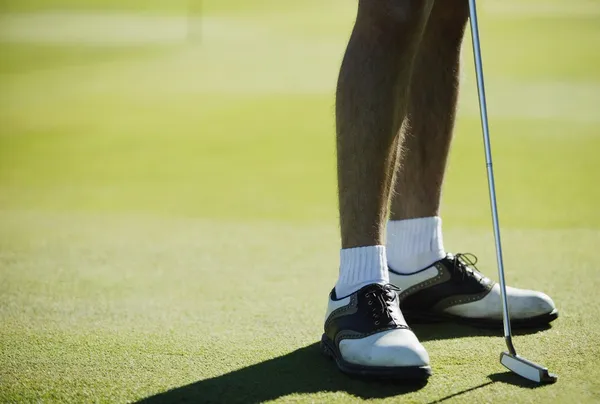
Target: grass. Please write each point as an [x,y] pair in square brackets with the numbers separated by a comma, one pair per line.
[168,204]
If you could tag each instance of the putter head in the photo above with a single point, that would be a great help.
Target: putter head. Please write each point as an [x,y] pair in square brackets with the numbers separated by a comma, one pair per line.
[527,369]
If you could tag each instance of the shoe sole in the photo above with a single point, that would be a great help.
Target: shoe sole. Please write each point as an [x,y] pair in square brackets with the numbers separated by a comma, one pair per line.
[406,373]
[420,317]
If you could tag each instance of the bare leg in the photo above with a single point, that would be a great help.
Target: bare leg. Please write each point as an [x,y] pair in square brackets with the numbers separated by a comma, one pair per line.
[414,239]
[372,98]
[431,113]
[363,323]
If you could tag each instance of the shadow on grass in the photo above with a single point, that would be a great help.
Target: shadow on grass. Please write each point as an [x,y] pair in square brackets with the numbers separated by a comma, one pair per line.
[506,377]
[302,371]
[515,380]
[307,371]
[459,393]
[441,331]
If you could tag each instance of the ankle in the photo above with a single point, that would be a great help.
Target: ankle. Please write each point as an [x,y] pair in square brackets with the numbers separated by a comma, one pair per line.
[359,267]
[414,244]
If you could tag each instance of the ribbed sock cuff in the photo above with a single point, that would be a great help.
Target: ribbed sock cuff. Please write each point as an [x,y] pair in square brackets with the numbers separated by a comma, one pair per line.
[361,266]
[414,244]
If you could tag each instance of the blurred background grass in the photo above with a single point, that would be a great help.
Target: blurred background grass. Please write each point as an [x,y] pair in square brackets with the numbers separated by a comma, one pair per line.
[143,146]
[118,112]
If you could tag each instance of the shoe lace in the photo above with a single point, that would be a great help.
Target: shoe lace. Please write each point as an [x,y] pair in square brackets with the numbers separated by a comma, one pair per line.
[381,302]
[464,263]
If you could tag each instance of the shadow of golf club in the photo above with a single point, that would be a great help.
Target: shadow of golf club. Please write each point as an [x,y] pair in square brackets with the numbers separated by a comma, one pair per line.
[302,371]
[505,377]
[514,379]
[454,395]
[307,371]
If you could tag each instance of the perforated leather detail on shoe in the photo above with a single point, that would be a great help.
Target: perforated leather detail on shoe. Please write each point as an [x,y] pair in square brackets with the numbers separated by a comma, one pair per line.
[458,282]
[372,309]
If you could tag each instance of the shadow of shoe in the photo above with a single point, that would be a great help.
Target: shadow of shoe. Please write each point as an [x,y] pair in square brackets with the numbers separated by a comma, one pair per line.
[302,371]
[441,331]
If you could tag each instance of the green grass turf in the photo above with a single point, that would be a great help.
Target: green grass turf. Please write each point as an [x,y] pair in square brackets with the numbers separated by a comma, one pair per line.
[154,6]
[168,208]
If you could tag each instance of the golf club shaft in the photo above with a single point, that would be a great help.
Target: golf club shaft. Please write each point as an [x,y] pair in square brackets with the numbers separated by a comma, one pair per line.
[490,170]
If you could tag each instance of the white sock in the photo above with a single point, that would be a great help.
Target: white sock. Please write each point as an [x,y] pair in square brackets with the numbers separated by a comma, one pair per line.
[414,244]
[359,267]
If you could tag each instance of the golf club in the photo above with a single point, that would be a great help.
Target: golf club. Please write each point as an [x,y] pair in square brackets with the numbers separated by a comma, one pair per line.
[510,359]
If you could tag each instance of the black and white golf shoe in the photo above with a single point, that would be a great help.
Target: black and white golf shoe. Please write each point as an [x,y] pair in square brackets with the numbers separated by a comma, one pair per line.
[452,289]
[367,336]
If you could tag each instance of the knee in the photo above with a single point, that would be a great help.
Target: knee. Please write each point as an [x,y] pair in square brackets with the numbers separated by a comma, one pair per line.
[395,13]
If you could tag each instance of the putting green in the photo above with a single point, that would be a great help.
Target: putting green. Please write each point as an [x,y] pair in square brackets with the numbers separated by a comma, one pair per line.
[168,204]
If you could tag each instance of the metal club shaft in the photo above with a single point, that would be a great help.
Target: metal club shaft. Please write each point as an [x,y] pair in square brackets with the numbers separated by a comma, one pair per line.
[490,169]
